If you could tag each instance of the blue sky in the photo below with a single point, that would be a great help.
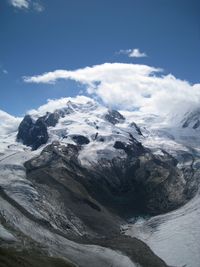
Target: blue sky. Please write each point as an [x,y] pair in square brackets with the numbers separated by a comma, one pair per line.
[73,34]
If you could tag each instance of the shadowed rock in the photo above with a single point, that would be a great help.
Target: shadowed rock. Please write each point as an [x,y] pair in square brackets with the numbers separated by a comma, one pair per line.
[33,134]
[137,128]
[192,119]
[80,140]
[51,119]
[141,182]
[114,117]
[131,149]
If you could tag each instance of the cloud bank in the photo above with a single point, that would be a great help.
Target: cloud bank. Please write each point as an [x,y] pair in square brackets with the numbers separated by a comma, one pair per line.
[131,86]
[8,123]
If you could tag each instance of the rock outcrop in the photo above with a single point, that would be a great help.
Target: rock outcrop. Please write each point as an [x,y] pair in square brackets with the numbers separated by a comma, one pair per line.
[192,119]
[80,139]
[33,134]
[139,183]
[136,127]
[51,119]
[114,117]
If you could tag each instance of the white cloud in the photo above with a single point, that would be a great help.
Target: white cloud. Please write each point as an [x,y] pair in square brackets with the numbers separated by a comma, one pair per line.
[136,53]
[27,4]
[8,123]
[20,3]
[130,86]
[133,53]
[38,7]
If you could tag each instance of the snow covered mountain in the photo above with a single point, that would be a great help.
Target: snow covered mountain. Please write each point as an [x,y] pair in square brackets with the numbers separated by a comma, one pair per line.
[192,119]
[73,172]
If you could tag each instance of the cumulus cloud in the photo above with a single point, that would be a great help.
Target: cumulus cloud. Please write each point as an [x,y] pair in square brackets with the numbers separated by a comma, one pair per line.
[27,4]
[8,123]
[20,3]
[131,86]
[133,53]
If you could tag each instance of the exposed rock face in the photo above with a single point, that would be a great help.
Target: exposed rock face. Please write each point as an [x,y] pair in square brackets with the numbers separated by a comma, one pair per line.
[51,119]
[24,128]
[114,117]
[57,170]
[80,140]
[137,128]
[133,149]
[35,134]
[32,133]
[141,182]
[192,120]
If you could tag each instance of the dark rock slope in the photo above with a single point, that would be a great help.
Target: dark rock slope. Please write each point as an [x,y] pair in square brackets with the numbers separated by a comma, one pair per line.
[114,117]
[98,199]
[139,183]
[192,119]
[32,133]
[35,133]
[10,257]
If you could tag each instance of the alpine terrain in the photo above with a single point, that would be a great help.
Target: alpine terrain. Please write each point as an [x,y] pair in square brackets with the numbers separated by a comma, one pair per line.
[84,185]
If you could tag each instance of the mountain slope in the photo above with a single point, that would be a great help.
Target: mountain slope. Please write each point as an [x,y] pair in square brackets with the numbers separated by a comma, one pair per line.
[70,177]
